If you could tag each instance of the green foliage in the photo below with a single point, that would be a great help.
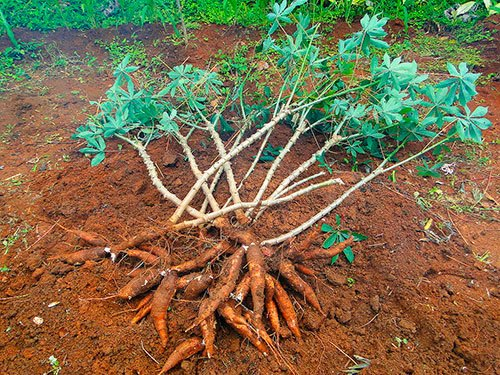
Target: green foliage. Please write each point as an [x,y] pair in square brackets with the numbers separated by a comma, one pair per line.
[376,115]
[130,113]
[442,49]
[427,171]
[337,235]
[12,67]
[270,153]
[52,14]
[118,49]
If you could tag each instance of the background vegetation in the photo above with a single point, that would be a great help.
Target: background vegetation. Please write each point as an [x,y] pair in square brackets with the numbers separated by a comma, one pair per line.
[52,14]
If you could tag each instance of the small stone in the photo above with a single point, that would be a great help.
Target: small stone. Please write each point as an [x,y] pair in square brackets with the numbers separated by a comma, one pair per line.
[188,366]
[375,303]
[139,187]
[169,158]
[334,278]
[449,288]
[61,269]
[38,273]
[471,284]
[407,324]
[312,321]
[343,316]
[177,182]
[37,320]
[28,353]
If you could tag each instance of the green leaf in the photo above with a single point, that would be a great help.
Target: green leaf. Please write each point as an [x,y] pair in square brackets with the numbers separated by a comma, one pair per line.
[330,241]
[97,159]
[426,171]
[326,228]
[358,236]
[349,254]
[334,259]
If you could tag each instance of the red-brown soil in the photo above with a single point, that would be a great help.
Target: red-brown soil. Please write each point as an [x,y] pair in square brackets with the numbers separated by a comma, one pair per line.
[438,296]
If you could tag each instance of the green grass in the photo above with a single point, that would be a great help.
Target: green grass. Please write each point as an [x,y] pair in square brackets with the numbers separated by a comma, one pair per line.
[119,48]
[437,51]
[84,14]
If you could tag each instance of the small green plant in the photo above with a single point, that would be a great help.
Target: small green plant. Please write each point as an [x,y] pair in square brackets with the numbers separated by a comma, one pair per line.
[428,171]
[442,49]
[55,365]
[338,235]
[362,363]
[483,258]
[400,341]
[270,153]
[350,282]
[9,31]
[118,49]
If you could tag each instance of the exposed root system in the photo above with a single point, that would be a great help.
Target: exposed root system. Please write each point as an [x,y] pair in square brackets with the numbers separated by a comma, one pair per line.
[246,293]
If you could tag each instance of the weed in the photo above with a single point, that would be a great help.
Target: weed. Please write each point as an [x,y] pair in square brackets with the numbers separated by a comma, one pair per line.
[118,49]
[400,341]
[8,134]
[270,153]
[440,48]
[350,282]
[55,365]
[358,367]
[20,233]
[423,203]
[428,171]
[338,235]
[483,258]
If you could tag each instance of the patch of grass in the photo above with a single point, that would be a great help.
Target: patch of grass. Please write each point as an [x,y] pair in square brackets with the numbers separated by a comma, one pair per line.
[7,135]
[119,48]
[442,49]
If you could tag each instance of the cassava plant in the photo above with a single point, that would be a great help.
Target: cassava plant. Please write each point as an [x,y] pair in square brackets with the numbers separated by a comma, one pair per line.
[361,104]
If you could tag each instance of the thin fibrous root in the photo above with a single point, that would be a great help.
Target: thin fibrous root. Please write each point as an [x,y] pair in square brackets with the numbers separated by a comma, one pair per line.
[183,351]
[257,273]
[323,253]
[146,236]
[160,304]
[156,250]
[287,270]
[207,328]
[141,284]
[286,308]
[229,276]
[202,260]
[230,312]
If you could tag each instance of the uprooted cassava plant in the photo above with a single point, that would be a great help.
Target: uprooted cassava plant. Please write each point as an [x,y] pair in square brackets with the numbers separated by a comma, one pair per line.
[359,103]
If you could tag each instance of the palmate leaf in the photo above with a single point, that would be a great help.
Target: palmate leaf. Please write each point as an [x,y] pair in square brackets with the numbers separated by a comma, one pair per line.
[369,36]
[396,73]
[280,13]
[389,110]
[461,86]
[469,126]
